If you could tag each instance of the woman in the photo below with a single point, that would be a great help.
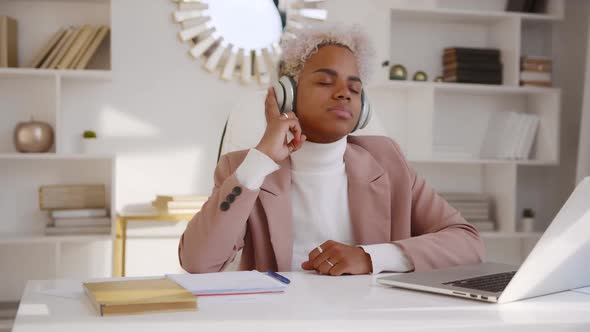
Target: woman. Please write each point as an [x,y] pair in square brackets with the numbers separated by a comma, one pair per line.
[324,200]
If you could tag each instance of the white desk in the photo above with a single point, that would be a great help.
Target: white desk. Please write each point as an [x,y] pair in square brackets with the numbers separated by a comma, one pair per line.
[312,302]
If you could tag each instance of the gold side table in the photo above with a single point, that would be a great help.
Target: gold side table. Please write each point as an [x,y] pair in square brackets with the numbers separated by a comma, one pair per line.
[122,220]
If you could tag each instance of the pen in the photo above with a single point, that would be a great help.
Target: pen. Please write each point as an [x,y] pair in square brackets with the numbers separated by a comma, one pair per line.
[278,277]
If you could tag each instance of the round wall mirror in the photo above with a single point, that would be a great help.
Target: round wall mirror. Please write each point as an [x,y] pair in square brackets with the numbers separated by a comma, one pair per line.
[239,39]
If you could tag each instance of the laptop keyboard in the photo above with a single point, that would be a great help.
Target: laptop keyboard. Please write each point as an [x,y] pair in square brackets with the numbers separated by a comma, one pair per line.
[490,283]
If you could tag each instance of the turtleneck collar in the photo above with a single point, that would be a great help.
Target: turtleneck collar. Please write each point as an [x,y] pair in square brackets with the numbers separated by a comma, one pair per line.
[319,157]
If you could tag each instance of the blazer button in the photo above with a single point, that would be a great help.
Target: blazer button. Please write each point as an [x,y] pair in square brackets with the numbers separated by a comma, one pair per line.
[224,206]
[230,198]
[237,191]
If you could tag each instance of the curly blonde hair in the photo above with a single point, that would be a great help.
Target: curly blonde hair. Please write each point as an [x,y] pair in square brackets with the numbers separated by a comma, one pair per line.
[296,51]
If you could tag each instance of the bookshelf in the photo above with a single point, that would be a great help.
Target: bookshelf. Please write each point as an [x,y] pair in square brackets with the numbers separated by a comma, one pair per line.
[41,93]
[419,115]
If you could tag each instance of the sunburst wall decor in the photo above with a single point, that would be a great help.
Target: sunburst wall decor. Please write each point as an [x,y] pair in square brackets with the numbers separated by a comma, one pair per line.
[240,38]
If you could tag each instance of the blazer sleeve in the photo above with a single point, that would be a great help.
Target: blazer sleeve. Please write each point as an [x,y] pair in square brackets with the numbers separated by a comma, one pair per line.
[214,235]
[441,237]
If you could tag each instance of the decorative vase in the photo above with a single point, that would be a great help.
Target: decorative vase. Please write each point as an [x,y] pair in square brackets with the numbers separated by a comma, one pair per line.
[90,145]
[420,76]
[398,72]
[33,136]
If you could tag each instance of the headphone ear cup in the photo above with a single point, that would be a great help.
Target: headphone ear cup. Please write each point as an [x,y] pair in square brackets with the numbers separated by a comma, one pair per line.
[366,111]
[288,85]
[279,94]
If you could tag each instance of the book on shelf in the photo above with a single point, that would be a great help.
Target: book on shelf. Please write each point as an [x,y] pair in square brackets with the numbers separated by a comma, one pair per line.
[535,76]
[540,84]
[56,49]
[181,198]
[84,47]
[178,204]
[72,197]
[474,78]
[483,52]
[8,42]
[510,135]
[81,37]
[526,6]
[78,213]
[98,38]
[71,47]
[536,67]
[65,48]
[77,230]
[472,66]
[178,211]
[139,296]
[81,222]
[46,49]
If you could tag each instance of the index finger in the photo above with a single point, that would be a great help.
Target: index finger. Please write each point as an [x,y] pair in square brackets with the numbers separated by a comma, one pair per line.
[271,106]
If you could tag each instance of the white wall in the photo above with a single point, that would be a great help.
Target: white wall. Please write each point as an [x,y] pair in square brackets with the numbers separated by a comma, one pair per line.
[162,112]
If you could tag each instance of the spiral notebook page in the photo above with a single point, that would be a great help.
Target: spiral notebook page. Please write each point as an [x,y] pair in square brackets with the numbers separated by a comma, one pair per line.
[227,283]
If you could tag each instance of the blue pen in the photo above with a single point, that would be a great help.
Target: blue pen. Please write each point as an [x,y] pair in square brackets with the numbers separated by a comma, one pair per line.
[278,277]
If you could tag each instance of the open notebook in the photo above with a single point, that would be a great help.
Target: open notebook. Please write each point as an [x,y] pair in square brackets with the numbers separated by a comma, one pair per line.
[228,283]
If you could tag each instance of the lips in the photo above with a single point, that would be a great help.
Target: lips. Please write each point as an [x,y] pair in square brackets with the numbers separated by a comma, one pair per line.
[341,112]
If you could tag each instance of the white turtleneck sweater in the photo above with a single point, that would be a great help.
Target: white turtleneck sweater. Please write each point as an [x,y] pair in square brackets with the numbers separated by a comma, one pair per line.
[319,197]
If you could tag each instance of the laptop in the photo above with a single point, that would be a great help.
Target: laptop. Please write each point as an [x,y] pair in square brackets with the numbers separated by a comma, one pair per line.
[558,262]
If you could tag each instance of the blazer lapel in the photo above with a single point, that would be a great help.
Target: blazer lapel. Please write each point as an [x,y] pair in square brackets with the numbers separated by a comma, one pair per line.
[275,196]
[369,197]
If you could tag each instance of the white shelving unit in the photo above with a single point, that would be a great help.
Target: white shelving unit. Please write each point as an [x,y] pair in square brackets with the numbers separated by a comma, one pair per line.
[25,251]
[419,114]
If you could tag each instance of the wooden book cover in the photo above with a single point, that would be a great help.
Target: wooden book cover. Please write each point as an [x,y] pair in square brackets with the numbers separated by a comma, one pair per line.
[139,296]
[66,47]
[98,39]
[77,44]
[91,36]
[72,197]
[8,42]
[46,50]
[56,49]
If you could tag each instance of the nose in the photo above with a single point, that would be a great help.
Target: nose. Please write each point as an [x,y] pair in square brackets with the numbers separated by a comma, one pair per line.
[342,92]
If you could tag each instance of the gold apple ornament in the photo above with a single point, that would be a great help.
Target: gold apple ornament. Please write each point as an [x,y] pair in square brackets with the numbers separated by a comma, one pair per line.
[33,136]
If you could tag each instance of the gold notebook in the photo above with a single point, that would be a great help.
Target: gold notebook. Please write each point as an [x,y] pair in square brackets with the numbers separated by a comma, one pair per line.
[139,296]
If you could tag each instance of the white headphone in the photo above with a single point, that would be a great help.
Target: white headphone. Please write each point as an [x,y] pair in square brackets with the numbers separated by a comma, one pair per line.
[286,89]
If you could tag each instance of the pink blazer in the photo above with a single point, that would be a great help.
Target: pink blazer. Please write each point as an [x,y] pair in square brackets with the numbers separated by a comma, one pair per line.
[388,202]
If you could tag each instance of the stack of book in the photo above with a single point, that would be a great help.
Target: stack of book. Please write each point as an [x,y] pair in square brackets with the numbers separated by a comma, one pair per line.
[75,209]
[535,71]
[510,135]
[179,204]
[70,48]
[472,65]
[474,207]
[8,42]
[526,6]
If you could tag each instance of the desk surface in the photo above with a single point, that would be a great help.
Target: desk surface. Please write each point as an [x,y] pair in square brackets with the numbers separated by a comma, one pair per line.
[312,302]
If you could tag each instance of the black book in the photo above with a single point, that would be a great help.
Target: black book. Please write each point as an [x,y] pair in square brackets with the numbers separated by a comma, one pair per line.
[516,5]
[474,78]
[470,58]
[472,51]
[475,66]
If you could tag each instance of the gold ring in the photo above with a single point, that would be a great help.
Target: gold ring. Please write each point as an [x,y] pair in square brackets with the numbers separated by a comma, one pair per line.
[328,261]
[285,115]
[319,248]
[290,147]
